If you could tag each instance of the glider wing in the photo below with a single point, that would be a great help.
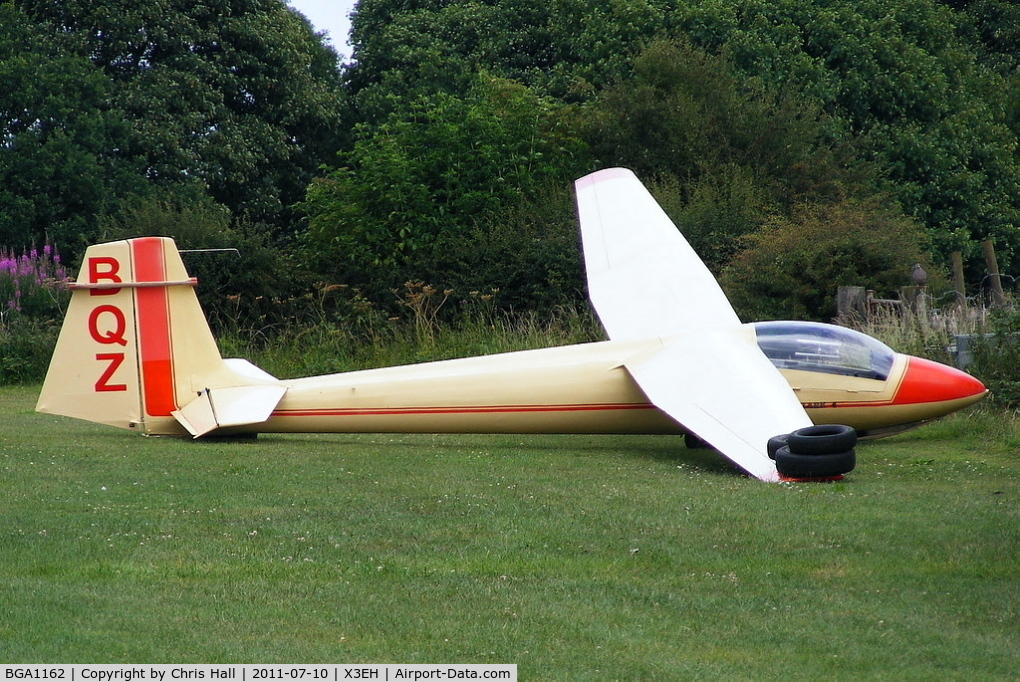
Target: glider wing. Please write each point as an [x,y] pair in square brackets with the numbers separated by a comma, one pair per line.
[645,281]
[717,387]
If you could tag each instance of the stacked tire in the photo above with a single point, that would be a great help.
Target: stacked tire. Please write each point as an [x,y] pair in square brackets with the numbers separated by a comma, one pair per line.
[823,451]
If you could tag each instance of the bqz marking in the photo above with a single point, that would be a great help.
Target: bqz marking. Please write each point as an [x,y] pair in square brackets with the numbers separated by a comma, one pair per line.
[107,324]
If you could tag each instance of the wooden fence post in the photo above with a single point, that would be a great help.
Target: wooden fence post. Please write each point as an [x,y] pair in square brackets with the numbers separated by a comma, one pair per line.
[913,299]
[998,298]
[851,302]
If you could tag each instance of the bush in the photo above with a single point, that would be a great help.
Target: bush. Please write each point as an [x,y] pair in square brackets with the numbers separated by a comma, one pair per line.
[33,296]
[792,268]
[453,191]
[241,276]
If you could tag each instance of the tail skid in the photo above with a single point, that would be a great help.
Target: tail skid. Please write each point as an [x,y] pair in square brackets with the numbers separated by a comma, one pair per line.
[136,352]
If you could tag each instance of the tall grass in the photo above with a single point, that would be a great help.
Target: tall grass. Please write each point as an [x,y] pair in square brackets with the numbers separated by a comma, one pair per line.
[33,297]
[335,328]
[929,334]
[993,337]
[330,346]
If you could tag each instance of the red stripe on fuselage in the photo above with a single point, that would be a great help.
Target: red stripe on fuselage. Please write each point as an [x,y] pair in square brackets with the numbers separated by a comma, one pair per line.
[477,409]
[154,328]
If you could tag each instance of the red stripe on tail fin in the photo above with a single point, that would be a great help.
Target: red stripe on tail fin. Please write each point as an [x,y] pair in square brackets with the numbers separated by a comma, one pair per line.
[154,342]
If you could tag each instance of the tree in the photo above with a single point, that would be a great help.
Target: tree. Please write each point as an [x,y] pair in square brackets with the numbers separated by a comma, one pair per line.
[564,48]
[720,152]
[238,95]
[414,188]
[683,111]
[750,106]
[61,139]
[899,83]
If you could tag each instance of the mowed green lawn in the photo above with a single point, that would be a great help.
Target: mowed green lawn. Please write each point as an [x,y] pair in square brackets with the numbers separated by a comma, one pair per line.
[571,556]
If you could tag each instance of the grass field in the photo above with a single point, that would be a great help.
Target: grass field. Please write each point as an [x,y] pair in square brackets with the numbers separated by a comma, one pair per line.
[573,557]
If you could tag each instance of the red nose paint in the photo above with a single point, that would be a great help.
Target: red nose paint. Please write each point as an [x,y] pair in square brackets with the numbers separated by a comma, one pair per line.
[931,382]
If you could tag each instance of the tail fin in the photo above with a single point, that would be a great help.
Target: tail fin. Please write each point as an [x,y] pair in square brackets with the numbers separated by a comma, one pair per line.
[136,352]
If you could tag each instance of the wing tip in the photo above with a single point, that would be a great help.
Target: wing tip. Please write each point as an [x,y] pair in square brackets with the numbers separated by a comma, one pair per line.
[603,175]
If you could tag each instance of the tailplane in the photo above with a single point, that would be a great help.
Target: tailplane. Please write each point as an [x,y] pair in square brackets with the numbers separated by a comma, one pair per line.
[136,352]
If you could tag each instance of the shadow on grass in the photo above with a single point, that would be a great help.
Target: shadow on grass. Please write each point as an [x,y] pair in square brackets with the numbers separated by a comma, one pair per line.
[666,448]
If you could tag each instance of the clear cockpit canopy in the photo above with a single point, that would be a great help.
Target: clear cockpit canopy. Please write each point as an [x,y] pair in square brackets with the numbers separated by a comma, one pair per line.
[817,347]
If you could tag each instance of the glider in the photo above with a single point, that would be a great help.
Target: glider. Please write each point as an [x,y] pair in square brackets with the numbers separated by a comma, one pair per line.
[136,352]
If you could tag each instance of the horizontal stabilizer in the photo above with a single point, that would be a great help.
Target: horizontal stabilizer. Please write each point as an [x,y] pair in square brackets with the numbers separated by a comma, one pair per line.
[244,369]
[217,408]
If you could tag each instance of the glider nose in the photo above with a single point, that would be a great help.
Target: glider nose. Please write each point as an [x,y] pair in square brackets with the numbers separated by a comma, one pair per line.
[946,389]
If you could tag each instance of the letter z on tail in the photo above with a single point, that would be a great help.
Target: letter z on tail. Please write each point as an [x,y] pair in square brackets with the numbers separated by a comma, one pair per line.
[136,351]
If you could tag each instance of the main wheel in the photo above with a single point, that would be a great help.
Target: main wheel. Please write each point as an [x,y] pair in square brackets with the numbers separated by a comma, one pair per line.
[822,440]
[814,466]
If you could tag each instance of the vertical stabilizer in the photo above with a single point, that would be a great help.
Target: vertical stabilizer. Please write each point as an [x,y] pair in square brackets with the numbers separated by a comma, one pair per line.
[135,347]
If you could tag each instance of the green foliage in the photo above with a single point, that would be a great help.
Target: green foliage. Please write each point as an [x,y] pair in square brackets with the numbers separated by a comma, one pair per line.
[241,274]
[726,151]
[997,356]
[563,48]
[720,208]
[914,99]
[901,85]
[527,252]
[461,124]
[337,330]
[61,138]
[793,267]
[112,99]
[420,197]
[26,346]
[685,113]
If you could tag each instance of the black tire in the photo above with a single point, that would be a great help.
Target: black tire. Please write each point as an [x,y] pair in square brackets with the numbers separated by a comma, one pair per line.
[776,442]
[824,439]
[814,466]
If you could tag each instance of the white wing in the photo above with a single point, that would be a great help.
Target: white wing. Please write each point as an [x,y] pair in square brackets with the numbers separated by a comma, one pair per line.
[645,281]
[720,387]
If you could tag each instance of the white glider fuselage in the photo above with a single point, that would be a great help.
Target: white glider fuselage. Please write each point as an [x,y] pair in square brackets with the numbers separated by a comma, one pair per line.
[585,388]
[571,389]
